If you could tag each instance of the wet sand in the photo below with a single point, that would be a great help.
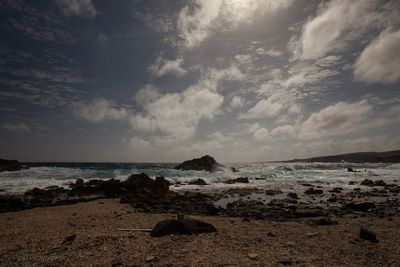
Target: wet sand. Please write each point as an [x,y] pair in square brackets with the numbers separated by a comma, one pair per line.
[34,238]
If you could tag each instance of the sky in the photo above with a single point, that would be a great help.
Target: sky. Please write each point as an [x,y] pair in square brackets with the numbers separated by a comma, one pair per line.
[169,80]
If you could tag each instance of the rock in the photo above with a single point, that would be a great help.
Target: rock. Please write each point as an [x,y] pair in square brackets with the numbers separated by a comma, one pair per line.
[350,169]
[79,182]
[205,163]
[332,199]
[234,169]
[243,180]
[252,255]
[181,227]
[69,239]
[292,195]
[11,203]
[368,235]
[312,191]
[367,182]
[336,190]
[380,183]
[150,258]
[304,213]
[10,165]
[361,206]
[321,221]
[352,182]
[198,182]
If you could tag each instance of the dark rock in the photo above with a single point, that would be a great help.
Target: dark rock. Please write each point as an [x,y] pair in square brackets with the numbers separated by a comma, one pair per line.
[11,203]
[205,163]
[332,199]
[352,182]
[304,213]
[234,169]
[293,195]
[198,182]
[361,206]
[368,235]
[10,165]
[243,180]
[380,183]
[367,182]
[336,190]
[69,239]
[79,182]
[321,221]
[181,227]
[312,191]
[273,192]
[350,169]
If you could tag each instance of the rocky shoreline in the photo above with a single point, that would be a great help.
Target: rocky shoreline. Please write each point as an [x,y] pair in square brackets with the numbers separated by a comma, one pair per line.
[368,198]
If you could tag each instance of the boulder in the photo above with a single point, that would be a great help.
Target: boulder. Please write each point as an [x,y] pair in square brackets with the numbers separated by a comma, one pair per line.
[380,183]
[243,180]
[198,182]
[292,195]
[312,191]
[361,206]
[367,182]
[181,226]
[205,163]
[10,165]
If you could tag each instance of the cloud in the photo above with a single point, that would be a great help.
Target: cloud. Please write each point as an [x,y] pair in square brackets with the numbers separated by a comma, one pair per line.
[272,106]
[201,19]
[16,127]
[336,22]
[99,110]
[163,66]
[338,119]
[149,93]
[178,114]
[269,52]
[237,102]
[379,62]
[261,134]
[77,7]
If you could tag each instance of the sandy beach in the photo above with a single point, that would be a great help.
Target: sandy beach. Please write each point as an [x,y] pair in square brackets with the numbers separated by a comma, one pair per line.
[35,237]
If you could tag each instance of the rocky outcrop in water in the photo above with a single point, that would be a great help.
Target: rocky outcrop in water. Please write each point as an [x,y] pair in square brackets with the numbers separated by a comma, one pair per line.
[10,165]
[205,163]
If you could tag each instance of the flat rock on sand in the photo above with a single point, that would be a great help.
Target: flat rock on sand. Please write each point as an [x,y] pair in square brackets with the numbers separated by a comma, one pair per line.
[28,238]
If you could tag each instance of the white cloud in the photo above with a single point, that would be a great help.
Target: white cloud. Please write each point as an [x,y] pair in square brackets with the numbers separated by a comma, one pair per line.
[336,22]
[261,134]
[379,62]
[16,127]
[272,106]
[77,7]
[163,66]
[237,102]
[338,119]
[178,114]
[99,110]
[198,21]
[147,94]
[269,52]
[285,130]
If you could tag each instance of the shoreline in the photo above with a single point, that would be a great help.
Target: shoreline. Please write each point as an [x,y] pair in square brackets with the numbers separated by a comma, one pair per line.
[34,237]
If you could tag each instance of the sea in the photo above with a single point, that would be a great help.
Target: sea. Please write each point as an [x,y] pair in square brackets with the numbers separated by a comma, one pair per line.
[260,174]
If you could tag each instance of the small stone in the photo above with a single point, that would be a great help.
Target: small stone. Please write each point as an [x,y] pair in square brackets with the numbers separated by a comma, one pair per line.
[150,258]
[253,256]
[271,234]
[69,239]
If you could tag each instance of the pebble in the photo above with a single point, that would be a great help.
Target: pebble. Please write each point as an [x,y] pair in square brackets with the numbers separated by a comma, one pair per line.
[253,256]
[150,258]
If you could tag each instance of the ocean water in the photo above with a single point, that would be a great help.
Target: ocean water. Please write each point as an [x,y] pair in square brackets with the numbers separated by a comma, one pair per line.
[283,176]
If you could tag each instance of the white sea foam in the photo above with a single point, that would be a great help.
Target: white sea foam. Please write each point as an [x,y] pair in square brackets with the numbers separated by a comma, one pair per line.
[271,175]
